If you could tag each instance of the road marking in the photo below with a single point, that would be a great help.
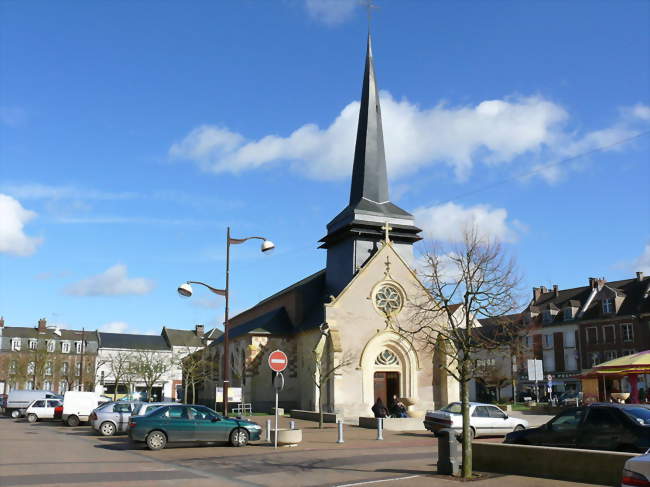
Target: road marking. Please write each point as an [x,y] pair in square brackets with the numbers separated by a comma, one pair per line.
[377,481]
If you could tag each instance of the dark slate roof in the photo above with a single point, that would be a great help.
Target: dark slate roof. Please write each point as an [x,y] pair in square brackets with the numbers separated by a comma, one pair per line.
[275,322]
[132,341]
[182,338]
[633,291]
[213,334]
[32,332]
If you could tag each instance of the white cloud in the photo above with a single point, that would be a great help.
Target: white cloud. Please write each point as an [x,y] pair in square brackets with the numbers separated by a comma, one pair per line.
[13,239]
[331,12]
[642,264]
[114,327]
[112,282]
[491,132]
[447,222]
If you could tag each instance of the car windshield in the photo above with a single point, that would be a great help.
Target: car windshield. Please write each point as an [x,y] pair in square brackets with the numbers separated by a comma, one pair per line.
[640,415]
[453,408]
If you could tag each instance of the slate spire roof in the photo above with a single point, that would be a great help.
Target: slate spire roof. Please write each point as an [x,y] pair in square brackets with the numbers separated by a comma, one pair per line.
[369,179]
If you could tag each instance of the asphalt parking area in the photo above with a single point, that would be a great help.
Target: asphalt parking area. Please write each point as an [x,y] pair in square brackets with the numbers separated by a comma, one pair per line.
[51,454]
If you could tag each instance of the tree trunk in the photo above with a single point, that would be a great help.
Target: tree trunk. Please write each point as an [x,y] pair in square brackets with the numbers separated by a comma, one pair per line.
[467,440]
[117,383]
[193,392]
[185,389]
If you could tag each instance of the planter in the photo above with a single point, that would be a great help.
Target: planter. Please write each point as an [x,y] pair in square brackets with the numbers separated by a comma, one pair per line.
[287,436]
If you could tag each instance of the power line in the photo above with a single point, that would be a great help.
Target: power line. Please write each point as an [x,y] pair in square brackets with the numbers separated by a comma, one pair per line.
[541,169]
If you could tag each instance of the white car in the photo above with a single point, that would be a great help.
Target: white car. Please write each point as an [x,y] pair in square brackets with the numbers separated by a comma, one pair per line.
[42,409]
[484,419]
[636,471]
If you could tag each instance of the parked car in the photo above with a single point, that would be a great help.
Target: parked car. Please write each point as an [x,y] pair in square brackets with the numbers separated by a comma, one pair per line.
[484,419]
[568,398]
[190,423]
[78,405]
[599,426]
[43,409]
[146,407]
[113,417]
[18,400]
[636,472]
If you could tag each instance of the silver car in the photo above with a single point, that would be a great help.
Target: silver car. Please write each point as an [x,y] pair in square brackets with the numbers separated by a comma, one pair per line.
[114,417]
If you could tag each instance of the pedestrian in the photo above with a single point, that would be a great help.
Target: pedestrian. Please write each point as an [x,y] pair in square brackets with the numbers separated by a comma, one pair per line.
[378,409]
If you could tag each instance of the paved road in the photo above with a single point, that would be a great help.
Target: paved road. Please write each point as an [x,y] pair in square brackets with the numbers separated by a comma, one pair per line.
[50,454]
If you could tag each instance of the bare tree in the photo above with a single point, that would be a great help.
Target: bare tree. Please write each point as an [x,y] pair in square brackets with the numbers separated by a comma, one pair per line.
[150,366]
[119,365]
[325,366]
[466,282]
[197,368]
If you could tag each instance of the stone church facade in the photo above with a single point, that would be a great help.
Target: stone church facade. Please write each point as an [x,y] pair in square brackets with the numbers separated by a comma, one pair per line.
[343,320]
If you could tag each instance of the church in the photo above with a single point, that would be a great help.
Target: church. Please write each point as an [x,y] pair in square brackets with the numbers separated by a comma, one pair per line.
[338,326]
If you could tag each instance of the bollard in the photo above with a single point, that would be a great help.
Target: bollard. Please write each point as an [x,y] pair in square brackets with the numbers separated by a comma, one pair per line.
[449,452]
[292,425]
[380,428]
[268,430]
[340,426]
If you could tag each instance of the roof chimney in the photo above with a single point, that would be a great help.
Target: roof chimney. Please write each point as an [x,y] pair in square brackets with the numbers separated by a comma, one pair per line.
[592,282]
[544,290]
[537,292]
[556,291]
[639,277]
[199,330]
[2,320]
[42,325]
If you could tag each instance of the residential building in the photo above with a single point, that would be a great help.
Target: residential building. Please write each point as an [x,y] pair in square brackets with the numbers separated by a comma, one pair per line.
[43,357]
[128,363]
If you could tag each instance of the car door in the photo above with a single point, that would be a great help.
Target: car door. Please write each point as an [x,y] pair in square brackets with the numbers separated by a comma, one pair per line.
[480,420]
[179,426]
[561,431]
[209,426]
[121,415]
[602,429]
[38,408]
[48,411]
[499,424]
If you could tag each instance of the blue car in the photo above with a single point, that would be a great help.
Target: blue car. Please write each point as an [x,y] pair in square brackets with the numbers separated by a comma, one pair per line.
[182,422]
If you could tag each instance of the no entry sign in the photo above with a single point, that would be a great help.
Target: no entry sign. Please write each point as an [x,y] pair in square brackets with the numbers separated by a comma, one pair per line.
[278,361]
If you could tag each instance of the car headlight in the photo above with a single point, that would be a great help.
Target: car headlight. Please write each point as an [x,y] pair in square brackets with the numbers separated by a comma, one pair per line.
[253,427]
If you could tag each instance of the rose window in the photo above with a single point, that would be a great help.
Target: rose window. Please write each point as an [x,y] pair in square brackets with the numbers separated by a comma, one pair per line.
[388,299]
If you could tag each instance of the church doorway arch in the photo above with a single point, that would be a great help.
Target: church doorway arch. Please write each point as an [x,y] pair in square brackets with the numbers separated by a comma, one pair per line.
[386,385]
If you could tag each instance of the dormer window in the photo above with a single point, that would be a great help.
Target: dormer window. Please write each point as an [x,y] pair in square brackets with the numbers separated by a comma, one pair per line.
[568,314]
[608,305]
[15,344]
[32,344]
[78,347]
[65,347]
[50,345]
[548,316]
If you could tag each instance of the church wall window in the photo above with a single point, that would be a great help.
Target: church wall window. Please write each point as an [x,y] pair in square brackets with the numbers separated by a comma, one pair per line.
[386,357]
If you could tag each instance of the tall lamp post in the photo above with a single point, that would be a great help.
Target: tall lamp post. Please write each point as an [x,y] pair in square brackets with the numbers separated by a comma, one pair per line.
[185,290]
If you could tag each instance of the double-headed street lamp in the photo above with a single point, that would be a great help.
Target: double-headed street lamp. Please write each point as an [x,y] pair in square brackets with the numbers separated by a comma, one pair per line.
[185,290]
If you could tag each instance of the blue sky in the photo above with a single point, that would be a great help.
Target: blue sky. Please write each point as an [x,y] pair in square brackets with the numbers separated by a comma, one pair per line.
[133,133]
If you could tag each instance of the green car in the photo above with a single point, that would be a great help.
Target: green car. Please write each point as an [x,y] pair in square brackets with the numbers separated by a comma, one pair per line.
[190,423]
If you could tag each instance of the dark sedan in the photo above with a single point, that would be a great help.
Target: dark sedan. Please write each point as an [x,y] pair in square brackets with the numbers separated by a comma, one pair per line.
[619,427]
[190,423]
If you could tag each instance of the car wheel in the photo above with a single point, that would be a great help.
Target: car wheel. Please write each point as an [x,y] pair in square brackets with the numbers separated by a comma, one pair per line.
[107,428]
[15,414]
[156,440]
[32,418]
[73,420]
[239,437]
[519,427]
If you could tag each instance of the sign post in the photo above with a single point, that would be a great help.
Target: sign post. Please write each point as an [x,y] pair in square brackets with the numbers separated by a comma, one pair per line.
[535,373]
[277,362]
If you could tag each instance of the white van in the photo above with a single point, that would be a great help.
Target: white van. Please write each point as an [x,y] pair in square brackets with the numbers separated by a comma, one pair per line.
[18,400]
[77,406]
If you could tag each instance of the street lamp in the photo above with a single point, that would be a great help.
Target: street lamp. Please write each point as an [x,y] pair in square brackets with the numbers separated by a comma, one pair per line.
[185,290]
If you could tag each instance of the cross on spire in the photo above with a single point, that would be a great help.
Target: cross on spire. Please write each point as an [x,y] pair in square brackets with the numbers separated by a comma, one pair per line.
[369,6]
[386,228]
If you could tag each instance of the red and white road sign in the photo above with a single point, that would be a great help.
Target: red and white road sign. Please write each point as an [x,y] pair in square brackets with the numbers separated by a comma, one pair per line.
[278,361]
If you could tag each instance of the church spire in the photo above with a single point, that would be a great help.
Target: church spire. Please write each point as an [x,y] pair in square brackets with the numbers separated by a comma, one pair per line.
[369,180]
